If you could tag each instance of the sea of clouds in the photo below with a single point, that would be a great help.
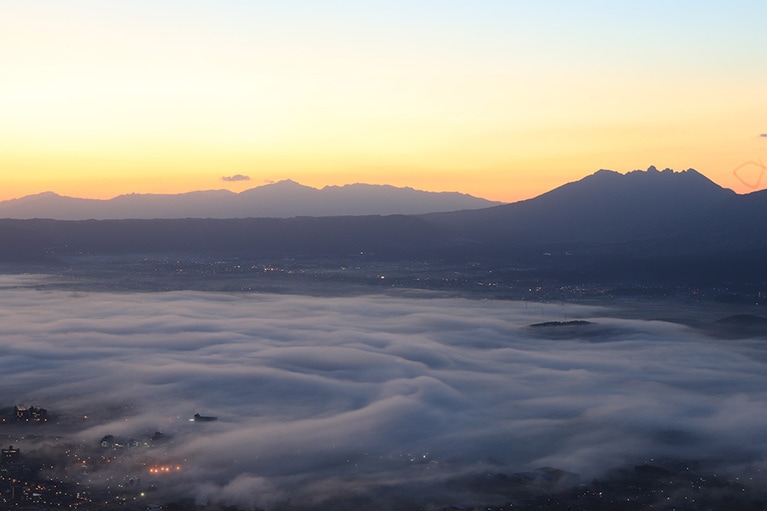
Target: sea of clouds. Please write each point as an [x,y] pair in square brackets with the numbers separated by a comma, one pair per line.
[379,398]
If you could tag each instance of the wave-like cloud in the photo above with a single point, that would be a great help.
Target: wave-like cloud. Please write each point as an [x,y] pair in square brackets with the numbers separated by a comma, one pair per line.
[323,400]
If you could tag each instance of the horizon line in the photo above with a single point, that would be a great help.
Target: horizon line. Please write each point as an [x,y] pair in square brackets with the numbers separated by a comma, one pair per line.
[290,180]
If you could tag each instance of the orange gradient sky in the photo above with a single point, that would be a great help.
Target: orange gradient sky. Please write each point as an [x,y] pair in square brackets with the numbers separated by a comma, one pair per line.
[500,99]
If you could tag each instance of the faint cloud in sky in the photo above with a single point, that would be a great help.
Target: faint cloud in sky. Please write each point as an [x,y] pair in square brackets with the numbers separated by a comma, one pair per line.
[750,173]
[235,178]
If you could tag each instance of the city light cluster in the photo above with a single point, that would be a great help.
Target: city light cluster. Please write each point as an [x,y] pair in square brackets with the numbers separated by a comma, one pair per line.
[165,469]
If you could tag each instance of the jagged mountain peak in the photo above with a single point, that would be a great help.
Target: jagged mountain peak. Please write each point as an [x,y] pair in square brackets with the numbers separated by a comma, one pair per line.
[642,185]
[651,172]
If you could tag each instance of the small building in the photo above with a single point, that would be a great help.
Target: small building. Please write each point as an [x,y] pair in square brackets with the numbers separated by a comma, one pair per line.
[22,413]
[10,455]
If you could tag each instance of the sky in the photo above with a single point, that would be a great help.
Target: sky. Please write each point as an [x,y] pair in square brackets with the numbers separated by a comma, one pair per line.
[501,99]
[321,399]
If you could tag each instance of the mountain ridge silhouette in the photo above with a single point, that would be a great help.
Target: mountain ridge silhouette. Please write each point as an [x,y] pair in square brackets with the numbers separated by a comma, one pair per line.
[282,199]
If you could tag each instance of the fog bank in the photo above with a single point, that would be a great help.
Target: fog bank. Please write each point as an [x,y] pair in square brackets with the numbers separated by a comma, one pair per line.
[376,398]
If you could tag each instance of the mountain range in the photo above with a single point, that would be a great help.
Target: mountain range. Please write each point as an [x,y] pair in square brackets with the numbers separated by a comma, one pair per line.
[650,225]
[283,199]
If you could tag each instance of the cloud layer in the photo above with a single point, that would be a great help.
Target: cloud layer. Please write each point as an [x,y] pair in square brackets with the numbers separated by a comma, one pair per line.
[235,178]
[334,399]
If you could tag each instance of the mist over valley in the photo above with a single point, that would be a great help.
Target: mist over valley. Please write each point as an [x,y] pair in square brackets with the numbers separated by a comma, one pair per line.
[394,400]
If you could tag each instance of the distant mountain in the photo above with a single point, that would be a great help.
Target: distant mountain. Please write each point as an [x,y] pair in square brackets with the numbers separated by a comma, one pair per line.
[659,226]
[651,226]
[605,207]
[284,199]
